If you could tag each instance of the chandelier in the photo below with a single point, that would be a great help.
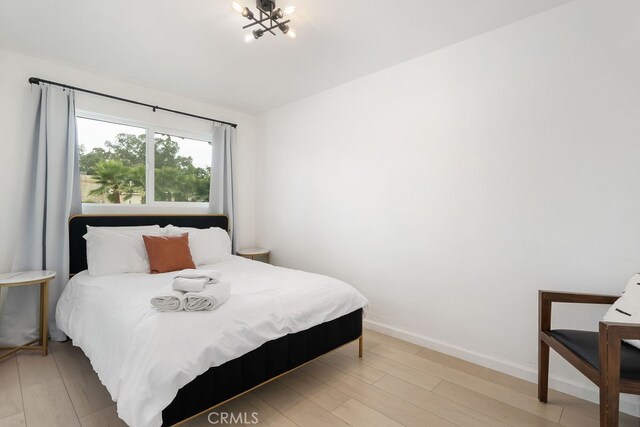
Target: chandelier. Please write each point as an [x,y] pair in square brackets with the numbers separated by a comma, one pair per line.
[268,18]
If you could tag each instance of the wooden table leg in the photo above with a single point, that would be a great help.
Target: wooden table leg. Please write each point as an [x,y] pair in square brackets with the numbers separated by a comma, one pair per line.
[44,316]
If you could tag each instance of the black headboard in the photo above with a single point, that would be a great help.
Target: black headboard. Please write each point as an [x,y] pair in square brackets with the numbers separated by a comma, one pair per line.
[78,228]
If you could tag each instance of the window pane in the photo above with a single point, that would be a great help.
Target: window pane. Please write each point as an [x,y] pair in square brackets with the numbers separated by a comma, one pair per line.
[183,169]
[112,162]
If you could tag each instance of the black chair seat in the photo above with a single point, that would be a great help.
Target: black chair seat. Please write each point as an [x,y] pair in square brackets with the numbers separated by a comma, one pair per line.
[585,345]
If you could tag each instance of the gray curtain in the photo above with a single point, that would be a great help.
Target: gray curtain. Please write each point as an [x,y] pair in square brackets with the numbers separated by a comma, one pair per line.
[221,191]
[52,194]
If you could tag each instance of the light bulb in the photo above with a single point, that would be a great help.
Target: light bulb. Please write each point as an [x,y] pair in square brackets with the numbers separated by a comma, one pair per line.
[292,33]
[289,10]
[248,38]
[237,7]
[247,13]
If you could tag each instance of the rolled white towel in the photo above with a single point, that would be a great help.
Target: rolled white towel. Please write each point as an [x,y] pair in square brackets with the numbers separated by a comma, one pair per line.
[168,300]
[192,280]
[189,285]
[210,298]
[192,273]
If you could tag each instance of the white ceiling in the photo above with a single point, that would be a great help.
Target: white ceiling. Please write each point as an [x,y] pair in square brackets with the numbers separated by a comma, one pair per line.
[196,47]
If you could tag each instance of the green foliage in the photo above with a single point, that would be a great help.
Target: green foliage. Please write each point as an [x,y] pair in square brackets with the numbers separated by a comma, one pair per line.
[119,170]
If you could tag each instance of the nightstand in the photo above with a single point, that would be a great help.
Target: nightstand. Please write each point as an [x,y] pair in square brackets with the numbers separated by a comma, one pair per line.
[28,278]
[256,254]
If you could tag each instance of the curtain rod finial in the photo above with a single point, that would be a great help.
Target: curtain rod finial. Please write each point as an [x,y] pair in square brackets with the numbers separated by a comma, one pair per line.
[34,80]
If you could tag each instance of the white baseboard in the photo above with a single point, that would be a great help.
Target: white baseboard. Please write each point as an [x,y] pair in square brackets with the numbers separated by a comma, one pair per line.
[628,404]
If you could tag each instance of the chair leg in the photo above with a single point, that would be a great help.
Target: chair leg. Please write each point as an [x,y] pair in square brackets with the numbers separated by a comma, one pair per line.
[609,408]
[543,371]
[613,405]
[604,415]
[609,377]
[613,409]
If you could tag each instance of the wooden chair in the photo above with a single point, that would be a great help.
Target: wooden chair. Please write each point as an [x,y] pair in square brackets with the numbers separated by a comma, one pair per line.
[610,363]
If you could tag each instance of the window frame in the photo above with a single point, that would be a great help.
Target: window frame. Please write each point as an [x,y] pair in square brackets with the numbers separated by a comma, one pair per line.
[150,130]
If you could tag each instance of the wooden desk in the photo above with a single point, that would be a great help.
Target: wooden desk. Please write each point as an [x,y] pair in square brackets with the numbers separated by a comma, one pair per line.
[28,278]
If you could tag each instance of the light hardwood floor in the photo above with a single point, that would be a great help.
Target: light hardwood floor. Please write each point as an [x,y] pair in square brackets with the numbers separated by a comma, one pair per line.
[396,383]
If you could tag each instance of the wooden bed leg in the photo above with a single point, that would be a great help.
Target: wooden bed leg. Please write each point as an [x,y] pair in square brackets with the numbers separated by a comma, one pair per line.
[360,345]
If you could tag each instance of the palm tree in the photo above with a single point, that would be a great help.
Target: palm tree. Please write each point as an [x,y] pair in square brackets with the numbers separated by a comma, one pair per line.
[136,184]
[113,178]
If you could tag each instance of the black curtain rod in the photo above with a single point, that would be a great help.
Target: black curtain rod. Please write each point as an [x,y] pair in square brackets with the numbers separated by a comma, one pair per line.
[37,81]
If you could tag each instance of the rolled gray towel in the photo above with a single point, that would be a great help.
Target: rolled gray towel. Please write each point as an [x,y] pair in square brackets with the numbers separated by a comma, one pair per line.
[210,298]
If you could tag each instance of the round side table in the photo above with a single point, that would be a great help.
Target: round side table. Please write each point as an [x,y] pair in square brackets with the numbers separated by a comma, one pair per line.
[256,254]
[28,278]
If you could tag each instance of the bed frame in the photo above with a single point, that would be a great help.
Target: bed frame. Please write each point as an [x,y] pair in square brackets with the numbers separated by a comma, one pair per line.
[230,380]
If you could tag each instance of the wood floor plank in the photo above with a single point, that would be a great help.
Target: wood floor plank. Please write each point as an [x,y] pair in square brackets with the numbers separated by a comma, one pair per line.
[69,358]
[378,338]
[327,398]
[309,414]
[267,415]
[354,367]
[369,342]
[87,393]
[519,400]
[106,417]
[387,404]
[399,370]
[358,415]
[35,369]
[10,392]
[16,420]
[294,406]
[436,404]
[509,381]
[278,396]
[522,386]
[48,405]
[574,419]
[494,408]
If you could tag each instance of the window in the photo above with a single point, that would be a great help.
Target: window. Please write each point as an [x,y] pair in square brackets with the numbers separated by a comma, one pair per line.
[182,169]
[139,164]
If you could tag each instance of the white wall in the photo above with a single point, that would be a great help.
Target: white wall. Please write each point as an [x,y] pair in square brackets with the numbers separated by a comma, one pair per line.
[16,127]
[450,188]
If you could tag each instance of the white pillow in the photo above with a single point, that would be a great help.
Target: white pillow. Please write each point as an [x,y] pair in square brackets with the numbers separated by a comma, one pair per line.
[113,250]
[133,229]
[627,308]
[207,246]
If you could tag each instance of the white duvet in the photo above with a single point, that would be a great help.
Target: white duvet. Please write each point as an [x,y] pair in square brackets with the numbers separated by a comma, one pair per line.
[144,357]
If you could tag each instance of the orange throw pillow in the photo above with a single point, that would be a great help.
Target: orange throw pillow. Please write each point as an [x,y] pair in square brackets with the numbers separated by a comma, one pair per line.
[168,253]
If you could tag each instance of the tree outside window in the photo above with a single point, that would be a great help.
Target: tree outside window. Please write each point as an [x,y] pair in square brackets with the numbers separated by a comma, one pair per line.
[114,171]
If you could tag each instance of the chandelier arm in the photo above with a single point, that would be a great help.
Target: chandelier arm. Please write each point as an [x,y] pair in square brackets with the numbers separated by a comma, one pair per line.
[278,24]
[260,22]
[266,28]
[254,23]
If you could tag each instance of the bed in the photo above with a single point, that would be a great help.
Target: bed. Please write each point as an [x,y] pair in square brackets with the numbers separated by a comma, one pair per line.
[276,320]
